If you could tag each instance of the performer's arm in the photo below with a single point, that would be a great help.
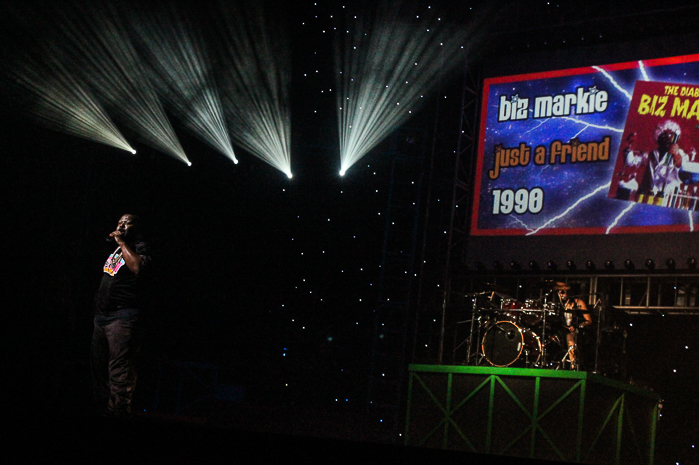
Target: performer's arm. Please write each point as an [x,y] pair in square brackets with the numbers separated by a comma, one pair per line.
[131,258]
[588,318]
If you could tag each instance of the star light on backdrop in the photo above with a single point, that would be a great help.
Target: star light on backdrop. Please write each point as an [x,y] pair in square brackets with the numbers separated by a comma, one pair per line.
[178,54]
[98,46]
[254,84]
[384,69]
[62,103]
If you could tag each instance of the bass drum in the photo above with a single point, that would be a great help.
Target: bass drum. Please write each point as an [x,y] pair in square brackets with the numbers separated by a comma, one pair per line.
[505,344]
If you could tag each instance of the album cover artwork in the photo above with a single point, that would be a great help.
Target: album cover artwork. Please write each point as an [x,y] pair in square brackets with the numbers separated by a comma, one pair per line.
[657,162]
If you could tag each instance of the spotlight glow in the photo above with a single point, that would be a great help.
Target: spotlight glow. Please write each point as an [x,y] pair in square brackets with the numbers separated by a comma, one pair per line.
[97,45]
[255,84]
[383,70]
[179,57]
[63,103]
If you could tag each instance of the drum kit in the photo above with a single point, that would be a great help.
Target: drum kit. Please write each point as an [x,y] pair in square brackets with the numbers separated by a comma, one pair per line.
[511,333]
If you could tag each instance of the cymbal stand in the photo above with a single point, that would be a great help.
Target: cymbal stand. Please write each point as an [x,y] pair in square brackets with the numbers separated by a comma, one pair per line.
[543,332]
[475,315]
[470,334]
[576,352]
[480,317]
[466,341]
[599,326]
[475,337]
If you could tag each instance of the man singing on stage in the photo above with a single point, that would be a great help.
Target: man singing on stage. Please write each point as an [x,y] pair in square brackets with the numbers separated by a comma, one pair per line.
[118,319]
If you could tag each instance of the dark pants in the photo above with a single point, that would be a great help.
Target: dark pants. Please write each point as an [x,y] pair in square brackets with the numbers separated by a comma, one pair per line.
[115,347]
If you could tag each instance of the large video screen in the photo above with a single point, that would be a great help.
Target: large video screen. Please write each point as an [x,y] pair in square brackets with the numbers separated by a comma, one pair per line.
[597,150]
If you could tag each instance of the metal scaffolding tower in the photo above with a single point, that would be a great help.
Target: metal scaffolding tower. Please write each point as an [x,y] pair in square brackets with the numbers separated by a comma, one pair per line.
[391,319]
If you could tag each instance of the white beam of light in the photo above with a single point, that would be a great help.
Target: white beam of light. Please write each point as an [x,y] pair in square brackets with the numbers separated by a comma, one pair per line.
[99,47]
[178,55]
[383,72]
[63,103]
[254,86]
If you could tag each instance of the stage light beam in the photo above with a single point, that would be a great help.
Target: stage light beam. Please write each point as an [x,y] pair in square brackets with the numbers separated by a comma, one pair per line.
[255,84]
[179,57]
[96,44]
[383,70]
[62,102]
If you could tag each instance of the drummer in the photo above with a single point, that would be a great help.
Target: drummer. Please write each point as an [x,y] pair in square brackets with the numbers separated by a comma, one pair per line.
[576,308]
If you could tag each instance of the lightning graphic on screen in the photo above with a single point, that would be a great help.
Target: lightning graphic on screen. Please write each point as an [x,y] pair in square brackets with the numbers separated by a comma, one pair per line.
[621,215]
[602,188]
[642,68]
[594,126]
[613,82]
[568,208]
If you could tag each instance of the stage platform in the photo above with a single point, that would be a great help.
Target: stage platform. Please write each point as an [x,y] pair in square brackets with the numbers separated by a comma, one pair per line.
[558,415]
[151,439]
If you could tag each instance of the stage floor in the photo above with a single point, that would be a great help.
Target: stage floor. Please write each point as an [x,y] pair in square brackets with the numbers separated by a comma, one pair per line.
[176,440]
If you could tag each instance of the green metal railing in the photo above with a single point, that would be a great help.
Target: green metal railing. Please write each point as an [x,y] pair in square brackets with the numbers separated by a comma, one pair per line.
[620,421]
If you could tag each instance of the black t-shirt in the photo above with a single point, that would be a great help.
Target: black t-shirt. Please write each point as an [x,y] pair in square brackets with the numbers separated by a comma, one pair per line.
[120,287]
